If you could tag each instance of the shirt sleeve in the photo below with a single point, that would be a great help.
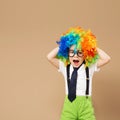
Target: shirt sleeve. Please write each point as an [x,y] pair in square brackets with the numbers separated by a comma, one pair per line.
[94,68]
[61,67]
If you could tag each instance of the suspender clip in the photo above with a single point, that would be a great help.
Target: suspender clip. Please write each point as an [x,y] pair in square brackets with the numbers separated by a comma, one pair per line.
[87,79]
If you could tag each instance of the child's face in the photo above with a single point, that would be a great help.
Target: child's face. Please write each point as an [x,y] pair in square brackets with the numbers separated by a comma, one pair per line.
[75,56]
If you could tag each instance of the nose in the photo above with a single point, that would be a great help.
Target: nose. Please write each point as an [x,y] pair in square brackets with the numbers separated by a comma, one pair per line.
[75,54]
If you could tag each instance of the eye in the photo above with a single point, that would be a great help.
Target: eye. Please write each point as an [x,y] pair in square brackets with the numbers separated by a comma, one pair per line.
[80,53]
[71,53]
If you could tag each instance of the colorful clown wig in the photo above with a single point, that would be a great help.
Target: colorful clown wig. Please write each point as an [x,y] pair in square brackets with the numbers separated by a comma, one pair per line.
[83,40]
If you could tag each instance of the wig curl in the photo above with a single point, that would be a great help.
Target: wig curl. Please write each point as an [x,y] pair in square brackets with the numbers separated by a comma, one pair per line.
[84,40]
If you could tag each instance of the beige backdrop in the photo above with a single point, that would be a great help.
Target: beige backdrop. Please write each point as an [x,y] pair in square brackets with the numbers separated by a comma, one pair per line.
[30,87]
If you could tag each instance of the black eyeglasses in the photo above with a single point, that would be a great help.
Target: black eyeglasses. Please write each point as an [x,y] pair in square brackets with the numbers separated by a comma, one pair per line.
[73,52]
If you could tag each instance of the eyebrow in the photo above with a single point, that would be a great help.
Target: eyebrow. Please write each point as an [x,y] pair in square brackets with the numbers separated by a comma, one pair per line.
[71,49]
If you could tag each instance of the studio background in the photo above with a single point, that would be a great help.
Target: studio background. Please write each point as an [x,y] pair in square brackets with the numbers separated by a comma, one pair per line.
[30,87]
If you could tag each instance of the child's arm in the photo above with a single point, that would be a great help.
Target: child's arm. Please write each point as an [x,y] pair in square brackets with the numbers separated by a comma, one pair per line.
[104,58]
[52,57]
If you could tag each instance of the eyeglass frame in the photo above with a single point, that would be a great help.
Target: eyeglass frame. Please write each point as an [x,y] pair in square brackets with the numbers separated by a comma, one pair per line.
[79,53]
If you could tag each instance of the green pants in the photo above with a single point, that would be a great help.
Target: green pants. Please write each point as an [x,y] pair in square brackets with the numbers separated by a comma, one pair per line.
[80,109]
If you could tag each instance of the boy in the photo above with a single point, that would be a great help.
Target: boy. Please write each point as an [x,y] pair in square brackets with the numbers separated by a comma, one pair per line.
[77,58]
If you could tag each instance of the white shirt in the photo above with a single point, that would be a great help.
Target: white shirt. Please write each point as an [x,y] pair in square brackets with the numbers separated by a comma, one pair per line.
[81,79]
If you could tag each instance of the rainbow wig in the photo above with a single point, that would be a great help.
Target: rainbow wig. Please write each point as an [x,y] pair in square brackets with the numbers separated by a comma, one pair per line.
[83,40]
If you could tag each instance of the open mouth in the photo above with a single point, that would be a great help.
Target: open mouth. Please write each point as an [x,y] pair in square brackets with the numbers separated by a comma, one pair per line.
[76,61]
